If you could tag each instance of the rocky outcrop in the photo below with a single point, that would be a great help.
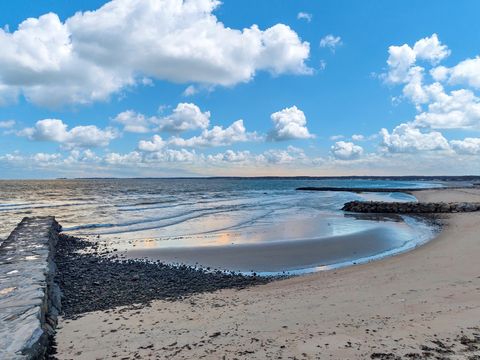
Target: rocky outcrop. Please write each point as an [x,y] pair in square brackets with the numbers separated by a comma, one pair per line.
[409,207]
[29,297]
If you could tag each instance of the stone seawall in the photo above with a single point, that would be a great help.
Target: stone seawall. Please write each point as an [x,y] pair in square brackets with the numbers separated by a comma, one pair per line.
[29,297]
[409,207]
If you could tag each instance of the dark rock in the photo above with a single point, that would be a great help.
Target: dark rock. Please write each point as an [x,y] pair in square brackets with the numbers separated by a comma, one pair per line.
[92,280]
[409,207]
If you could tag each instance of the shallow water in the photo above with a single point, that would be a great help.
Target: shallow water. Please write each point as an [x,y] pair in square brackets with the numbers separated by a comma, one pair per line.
[141,214]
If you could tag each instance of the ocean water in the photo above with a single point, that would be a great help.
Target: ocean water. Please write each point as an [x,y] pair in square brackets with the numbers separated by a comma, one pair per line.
[153,217]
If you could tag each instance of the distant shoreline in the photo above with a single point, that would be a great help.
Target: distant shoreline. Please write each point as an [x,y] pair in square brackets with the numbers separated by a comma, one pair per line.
[360,177]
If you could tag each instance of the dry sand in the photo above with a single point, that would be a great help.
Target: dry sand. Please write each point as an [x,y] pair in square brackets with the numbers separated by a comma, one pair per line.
[395,305]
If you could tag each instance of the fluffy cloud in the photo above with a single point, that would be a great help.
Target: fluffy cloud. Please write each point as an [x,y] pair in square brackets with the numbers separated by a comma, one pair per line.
[289,123]
[185,116]
[78,137]
[133,122]
[280,156]
[439,73]
[399,61]
[358,137]
[230,156]
[173,155]
[304,16]
[459,109]
[414,89]
[85,156]
[431,49]
[132,158]
[14,158]
[156,144]
[40,61]
[465,72]
[7,124]
[437,107]
[96,53]
[402,58]
[469,146]
[45,158]
[345,150]
[217,136]
[331,41]
[406,138]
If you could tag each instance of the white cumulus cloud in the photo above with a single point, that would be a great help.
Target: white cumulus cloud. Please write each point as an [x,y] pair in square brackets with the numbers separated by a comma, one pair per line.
[358,137]
[465,72]
[186,116]
[458,110]
[45,158]
[469,146]
[406,138]
[431,49]
[437,106]
[133,121]
[217,136]
[282,156]
[94,54]
[78,137]
[156,144]
[289,123]
[230,156]
[345,150]
[402,58]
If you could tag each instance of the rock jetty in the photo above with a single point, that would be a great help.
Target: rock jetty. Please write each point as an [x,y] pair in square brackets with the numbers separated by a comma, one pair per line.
[360,189]
[409,207]
[29,297]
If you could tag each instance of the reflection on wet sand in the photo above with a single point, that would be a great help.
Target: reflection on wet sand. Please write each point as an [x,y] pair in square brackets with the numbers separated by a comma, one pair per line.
[287,255]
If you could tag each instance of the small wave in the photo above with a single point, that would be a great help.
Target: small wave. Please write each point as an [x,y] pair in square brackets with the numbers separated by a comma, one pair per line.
[127,226]
[10,205]
[155,207]
[42,206]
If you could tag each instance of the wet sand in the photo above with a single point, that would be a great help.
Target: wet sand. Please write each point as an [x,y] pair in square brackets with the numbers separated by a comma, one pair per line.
[278,256]
[420,304]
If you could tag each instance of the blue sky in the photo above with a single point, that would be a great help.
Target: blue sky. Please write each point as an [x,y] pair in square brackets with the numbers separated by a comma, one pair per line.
[314,82]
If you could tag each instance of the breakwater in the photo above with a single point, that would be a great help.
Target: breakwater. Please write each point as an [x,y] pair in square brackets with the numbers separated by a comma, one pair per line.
[29,297]
[359,189]
[409,207]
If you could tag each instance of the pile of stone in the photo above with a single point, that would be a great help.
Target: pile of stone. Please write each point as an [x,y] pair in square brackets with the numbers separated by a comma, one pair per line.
[409,207]
[93,278]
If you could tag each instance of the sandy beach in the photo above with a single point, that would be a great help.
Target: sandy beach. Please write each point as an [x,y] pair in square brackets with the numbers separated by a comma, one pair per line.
[420,304]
